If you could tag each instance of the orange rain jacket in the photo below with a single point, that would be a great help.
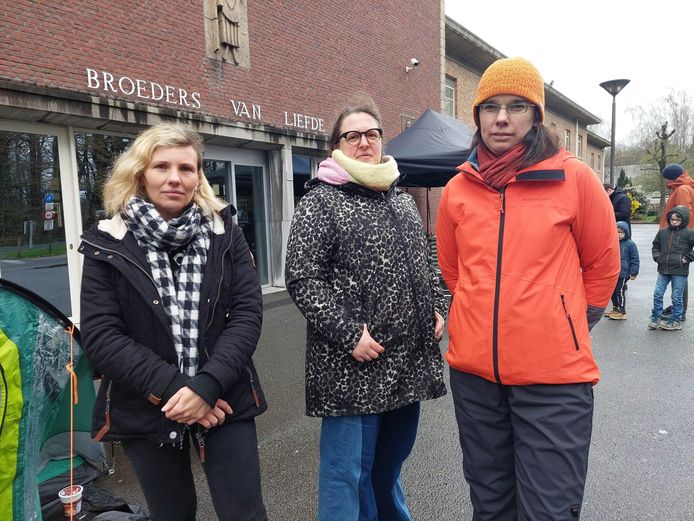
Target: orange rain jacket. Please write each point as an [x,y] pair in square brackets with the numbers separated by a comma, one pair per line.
[682,195]
[522,265]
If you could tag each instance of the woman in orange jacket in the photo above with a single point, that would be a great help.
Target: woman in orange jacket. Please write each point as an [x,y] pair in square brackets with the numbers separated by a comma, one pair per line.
[529,251]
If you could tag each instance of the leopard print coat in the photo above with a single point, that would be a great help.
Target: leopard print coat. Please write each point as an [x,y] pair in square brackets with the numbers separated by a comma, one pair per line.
[354,257]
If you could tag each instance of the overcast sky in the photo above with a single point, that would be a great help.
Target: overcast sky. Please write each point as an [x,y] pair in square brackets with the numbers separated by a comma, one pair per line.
[581,44]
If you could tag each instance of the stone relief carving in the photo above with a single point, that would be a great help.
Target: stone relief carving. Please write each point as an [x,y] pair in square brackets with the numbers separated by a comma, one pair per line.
[226,31]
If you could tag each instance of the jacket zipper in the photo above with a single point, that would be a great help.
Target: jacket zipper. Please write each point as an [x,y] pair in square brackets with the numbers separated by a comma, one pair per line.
[571,322]
[200,437]
[667,255]
[410,269]
[497,286]
[107,415]
[253,391]
[216,299]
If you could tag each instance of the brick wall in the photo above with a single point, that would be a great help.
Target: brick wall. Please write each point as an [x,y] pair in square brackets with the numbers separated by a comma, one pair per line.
[306,57]
[466,86]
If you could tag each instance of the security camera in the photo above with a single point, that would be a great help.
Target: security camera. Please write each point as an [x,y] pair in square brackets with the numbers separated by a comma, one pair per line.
[413,63]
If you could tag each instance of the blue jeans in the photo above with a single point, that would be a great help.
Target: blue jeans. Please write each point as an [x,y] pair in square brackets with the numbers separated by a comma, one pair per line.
[360,462]
[677,293]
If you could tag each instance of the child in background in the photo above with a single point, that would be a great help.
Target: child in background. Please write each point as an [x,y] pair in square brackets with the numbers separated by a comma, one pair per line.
[673,250]
[629,255]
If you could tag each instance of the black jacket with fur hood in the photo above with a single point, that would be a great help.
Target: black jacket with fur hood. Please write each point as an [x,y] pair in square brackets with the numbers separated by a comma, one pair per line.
[127,337]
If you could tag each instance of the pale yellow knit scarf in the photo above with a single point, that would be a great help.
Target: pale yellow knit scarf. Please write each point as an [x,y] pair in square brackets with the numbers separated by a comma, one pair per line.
[378,177]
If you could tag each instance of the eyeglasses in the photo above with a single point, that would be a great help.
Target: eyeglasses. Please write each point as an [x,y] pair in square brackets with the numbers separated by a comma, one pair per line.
[373,135]
[492,109]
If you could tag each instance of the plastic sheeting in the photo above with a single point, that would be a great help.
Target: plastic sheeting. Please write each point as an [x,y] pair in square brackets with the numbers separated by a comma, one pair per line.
[34,351]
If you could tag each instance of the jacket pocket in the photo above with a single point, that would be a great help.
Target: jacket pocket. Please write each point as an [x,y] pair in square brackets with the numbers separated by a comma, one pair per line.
[570,321]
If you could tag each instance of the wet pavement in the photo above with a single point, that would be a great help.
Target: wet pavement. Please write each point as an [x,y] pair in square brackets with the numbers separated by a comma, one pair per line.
[642,454]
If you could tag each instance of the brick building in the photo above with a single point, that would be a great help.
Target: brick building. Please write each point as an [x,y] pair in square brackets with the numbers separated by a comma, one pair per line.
[262,82]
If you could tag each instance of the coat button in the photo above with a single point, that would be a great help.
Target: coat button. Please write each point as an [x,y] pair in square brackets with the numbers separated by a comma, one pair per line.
[172,435]
[110,256]
[155,302]
[97,252]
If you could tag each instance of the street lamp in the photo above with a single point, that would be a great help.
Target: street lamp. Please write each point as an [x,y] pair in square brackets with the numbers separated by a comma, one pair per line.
[614,87]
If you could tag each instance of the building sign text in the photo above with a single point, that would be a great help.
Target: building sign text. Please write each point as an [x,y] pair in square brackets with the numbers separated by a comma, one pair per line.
[143,89]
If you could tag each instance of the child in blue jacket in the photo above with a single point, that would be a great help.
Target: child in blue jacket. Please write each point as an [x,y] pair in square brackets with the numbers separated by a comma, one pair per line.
[629,255]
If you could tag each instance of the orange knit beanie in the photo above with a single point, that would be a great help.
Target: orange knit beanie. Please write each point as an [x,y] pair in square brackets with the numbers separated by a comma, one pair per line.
[511,76]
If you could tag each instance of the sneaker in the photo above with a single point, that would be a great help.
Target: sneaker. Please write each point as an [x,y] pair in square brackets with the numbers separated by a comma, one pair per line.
[671,325]
[654,323]
[607,313]
[617,315]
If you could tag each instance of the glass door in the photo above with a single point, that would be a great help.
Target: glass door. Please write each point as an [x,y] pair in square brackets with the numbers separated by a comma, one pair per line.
[250,206]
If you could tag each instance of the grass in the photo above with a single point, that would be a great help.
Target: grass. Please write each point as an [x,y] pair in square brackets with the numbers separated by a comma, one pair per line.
[26,253]
[645,219]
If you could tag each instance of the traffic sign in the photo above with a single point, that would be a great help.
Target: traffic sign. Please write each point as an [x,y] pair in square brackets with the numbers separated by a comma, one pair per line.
[49,215]
[48,197]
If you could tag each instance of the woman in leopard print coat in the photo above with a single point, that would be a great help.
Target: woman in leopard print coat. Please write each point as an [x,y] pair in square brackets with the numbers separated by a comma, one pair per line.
[358,269]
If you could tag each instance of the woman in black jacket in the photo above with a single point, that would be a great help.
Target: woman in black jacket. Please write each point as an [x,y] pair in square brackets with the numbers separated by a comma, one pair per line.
[171,314]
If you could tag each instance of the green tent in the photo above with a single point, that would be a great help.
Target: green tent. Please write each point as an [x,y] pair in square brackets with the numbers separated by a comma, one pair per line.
[35,401]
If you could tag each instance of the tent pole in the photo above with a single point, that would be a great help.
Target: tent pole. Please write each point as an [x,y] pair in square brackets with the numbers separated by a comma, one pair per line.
[428,212]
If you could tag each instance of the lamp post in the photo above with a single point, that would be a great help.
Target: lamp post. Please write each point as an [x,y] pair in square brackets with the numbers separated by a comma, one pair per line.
[614,87]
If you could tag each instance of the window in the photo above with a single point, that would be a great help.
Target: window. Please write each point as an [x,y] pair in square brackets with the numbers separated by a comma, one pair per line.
[579,152]
[567,139]
[301,167]
[599,166]
[449,97]
[592,160]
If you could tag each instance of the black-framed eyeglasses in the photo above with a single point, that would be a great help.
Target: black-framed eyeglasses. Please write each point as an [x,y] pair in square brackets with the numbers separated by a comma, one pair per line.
[492,109]
[373,135]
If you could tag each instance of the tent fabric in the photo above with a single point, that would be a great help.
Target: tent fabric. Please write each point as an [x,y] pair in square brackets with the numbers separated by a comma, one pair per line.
[431,149]
[34,352]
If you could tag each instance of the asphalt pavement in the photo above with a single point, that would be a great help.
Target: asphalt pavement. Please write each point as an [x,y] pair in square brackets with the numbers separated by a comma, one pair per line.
[642,455]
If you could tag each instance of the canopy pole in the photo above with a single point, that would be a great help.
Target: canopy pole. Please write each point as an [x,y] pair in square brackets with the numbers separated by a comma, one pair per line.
[428,213]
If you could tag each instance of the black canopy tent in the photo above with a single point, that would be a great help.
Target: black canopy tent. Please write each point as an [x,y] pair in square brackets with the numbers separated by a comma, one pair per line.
[430,150]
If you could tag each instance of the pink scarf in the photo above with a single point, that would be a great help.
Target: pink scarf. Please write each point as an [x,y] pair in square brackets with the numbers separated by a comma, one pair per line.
[331,172]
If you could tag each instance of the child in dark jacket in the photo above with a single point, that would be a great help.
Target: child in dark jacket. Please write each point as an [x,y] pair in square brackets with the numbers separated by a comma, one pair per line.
[629,255]
[673,250]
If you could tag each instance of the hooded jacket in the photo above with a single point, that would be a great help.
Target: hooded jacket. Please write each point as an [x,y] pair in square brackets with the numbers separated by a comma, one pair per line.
[127,336]
[628,253]
[672,246]
[682,195]
[357,256]
[523,264]
[621,205]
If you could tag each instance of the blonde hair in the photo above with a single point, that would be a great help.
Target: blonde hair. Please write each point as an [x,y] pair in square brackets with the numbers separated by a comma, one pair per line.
[125,180]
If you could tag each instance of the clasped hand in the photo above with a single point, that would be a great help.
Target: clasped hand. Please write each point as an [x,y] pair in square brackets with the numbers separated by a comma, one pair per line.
[188,407]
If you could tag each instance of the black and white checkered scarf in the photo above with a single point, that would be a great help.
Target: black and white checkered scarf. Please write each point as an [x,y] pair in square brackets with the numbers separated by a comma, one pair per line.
[190,233]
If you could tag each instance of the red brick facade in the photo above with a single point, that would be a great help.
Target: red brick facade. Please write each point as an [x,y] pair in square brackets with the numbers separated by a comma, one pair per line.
[305,57]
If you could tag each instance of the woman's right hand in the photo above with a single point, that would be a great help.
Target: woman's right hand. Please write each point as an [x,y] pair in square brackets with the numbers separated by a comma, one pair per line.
[367,348]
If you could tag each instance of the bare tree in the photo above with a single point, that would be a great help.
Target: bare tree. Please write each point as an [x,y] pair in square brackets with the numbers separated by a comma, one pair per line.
[663,133]
[658,154]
